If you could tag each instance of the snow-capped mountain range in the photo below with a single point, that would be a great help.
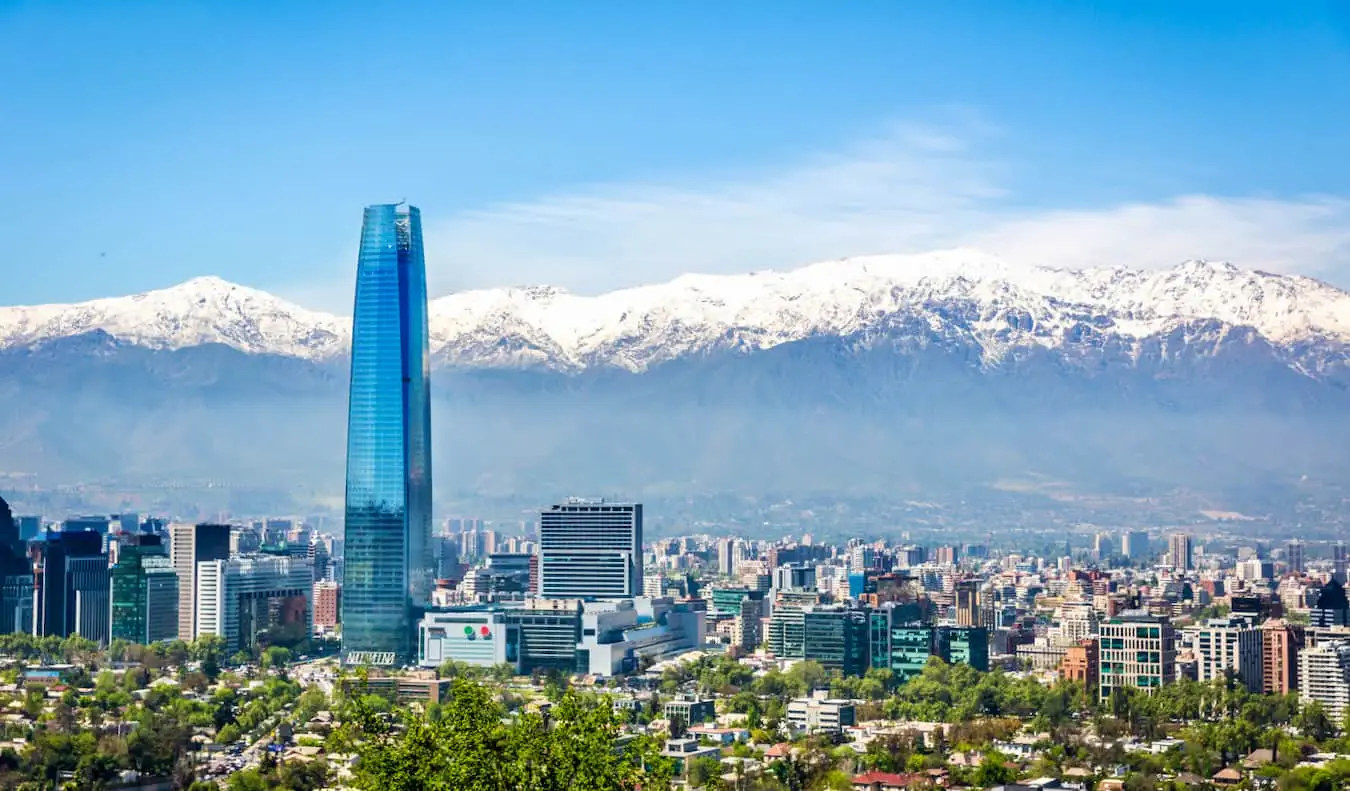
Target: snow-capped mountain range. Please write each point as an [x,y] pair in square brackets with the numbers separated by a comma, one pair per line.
[998,307]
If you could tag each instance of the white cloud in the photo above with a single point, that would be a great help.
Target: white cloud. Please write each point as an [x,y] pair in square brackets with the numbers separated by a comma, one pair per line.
[1309,236]
[911,189]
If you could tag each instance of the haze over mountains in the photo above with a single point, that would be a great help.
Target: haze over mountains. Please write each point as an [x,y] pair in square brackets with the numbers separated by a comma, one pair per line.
[888,376]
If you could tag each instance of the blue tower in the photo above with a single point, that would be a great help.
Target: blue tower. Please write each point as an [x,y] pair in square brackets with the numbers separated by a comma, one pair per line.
[389,569]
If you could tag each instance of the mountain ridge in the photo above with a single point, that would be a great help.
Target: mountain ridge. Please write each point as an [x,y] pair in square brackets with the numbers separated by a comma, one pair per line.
[1001,309]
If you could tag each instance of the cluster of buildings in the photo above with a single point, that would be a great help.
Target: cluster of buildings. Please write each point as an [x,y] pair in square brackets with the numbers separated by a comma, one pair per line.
[145,581]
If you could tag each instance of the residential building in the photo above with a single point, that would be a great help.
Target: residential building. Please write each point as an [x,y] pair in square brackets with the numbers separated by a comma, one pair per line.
[819,714]
[243,597]
[327,598]
[1082,664]
[1281,643]
[691,710]
[387,528]
[591,549]
[1136,649]
[1324,677]
[1229,645]
[748,632]
[144,590]
[1179,551]
[188,546]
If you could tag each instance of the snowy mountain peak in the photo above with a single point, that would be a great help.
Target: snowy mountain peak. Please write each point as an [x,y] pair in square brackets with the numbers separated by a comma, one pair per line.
[199,311]
[963,294]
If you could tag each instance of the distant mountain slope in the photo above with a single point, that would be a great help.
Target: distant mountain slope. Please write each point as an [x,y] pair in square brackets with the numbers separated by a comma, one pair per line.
[884,377]
[996,309]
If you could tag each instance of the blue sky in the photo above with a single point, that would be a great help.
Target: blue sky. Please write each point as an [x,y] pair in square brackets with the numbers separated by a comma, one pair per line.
[595,144]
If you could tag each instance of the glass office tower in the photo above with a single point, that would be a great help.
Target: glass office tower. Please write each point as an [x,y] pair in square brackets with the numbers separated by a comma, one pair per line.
[389,570]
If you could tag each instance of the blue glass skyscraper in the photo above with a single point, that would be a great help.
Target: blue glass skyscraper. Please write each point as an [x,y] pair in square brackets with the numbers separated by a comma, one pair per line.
[388,572]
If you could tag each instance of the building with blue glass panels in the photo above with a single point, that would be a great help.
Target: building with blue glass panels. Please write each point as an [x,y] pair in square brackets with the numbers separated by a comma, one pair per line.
[389,565]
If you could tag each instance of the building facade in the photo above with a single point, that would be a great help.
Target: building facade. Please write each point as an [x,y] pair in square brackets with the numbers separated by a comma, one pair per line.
[1324,677]
[591,549]
[389,569]
[1179,552]
[1229,645]
[188,546]
[144,589]
[1280,645]
[1136,650]
[240,598]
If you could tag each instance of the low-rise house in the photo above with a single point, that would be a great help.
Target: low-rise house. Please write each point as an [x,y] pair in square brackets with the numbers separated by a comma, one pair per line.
[887,781]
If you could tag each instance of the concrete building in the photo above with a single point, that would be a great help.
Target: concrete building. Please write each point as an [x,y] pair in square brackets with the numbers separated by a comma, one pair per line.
[327,604]
[1134,545]
[242,597]
[1280,645]
[691,710]
[478,636]
[1082,663]
[1136,649]
[188,546]
[1179,552]
[72,593]
[1324,676]
[1294,556]
[1224,645]
[748,631]
[144,590]
[819,714]
[617,635]
[591,549]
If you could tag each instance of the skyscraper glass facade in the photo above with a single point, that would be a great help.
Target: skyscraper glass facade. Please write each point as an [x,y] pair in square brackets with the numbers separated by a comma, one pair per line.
[389,567]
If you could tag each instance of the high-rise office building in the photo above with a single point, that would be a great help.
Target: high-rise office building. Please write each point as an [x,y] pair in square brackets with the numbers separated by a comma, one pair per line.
[591,549]
[1338,562]
[29,527]
[72,588]
[16,576]
[967,607]
[1179,551]
[1294,556]
[188,546]
[240,598]
[389,565]
[144,591]
[1134,545]
[1136,650]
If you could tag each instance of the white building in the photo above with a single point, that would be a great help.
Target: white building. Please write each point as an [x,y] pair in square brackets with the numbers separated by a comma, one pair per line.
[820,714]
[1228,644]
[241,597]
[1324,676]
[616,635]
